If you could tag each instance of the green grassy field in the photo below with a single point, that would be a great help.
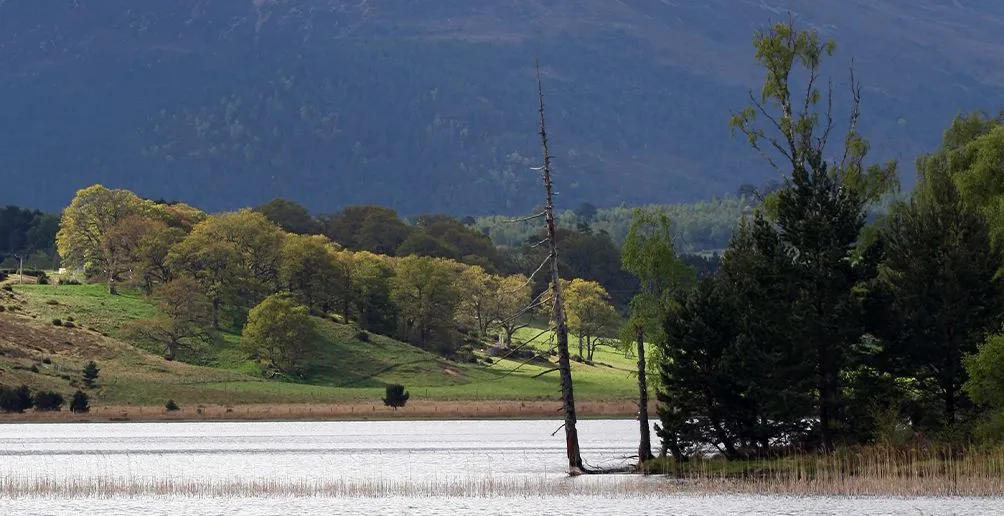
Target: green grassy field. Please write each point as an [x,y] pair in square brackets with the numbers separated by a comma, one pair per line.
[344,368]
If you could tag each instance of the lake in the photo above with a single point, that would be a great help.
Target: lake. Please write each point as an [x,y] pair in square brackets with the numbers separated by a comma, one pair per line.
[362,467]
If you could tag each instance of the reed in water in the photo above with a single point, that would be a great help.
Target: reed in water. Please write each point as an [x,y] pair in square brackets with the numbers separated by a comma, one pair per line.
[872,471]
[875,470]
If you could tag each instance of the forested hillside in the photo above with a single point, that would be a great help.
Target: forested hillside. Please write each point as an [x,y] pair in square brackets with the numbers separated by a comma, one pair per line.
[429,105]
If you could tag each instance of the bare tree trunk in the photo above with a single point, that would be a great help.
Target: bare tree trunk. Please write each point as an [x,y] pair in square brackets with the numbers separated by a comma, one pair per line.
[561,326]
[645,446]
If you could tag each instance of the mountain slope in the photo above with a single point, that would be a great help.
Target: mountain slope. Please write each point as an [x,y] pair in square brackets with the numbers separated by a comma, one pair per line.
[430,105]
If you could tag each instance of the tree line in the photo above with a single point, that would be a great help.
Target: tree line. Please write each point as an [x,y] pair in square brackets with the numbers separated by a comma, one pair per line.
[29,235]
[242,271]
[821,328]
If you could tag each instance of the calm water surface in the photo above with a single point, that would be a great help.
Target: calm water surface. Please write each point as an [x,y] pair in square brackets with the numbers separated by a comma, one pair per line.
[246,461]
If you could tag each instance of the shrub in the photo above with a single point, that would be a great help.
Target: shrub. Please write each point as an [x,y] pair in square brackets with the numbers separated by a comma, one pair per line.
[171,406]
[57,322]
[396,396]
[47,401]
[80,402]
[90,373]
[69,281]
[15,399]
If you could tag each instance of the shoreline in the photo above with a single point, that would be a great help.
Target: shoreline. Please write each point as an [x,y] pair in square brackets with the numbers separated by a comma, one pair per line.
[348,411]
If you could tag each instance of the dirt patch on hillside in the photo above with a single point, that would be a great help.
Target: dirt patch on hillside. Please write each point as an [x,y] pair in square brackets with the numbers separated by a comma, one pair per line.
[23,337]
[453,372]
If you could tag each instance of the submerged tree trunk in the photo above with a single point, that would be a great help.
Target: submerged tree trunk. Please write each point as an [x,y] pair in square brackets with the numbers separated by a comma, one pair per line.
[645,446]
[561,326]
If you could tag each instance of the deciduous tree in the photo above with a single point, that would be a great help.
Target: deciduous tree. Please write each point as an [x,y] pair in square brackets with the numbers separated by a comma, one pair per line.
[591,316]
[235,256]
[184,321]
[280,332]
[311,273]
[648,252]
[94,211]
[426,293]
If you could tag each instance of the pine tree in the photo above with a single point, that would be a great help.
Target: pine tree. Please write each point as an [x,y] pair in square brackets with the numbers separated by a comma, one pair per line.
[820,221]
[80,402]
[396,396]
[90,373]
[767,360]
[940,269]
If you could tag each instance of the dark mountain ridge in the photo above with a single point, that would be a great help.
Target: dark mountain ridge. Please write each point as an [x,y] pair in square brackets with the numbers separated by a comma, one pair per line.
[430,105]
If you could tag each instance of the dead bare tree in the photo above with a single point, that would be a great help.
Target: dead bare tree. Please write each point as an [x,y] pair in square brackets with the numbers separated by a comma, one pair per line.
[561,327]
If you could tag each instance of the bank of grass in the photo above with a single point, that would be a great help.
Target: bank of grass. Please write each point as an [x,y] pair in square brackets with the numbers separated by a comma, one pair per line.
[873,470]
[345,370]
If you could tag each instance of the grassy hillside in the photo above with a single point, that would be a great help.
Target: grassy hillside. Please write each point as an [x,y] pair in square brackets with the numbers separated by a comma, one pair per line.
[345,369]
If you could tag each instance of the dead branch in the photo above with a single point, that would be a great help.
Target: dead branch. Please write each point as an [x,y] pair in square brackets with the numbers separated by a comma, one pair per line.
[852,129]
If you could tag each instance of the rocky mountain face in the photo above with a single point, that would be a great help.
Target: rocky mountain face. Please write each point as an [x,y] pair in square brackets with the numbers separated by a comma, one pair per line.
[430,105]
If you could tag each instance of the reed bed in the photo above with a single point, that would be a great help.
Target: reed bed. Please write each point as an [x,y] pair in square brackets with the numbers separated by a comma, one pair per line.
[869,471]
[484,487]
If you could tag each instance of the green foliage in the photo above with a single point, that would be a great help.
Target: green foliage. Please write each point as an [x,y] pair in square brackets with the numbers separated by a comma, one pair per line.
[184,320]
[171,406]
[28,233]
[370,284]
[370,228]
[819,224]
[591,316]
[90,373]
[696,227]
[649,253]
[396,396]
[420,243]
[426,292]
[985,385]
[48,401]
[94,211]
[15,399]
[310,270]
[80,403]
[941,274]
[793,133]
[971,155]
[290,216]
[280,332]
[235,256]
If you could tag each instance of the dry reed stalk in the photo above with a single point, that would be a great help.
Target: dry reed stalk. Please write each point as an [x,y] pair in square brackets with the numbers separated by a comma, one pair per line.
[869,471]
